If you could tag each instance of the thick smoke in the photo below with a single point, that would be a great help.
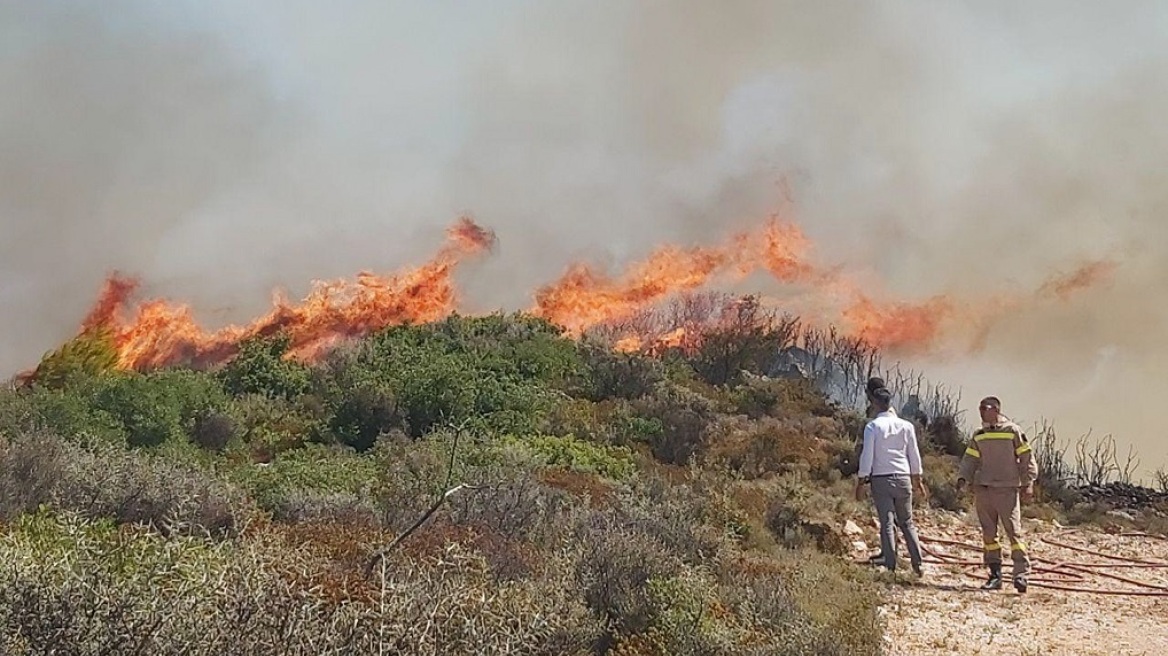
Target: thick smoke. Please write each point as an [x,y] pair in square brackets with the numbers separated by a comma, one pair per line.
[220,149]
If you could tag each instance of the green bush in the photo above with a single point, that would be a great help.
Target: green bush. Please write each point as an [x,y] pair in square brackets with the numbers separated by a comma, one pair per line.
[160,406]
[767,446]
[358,401]
[940,477]
[69,412]
[307,482]
[515,345]
[261,368]
[613,421]
[213,431]
[564,538]
[437,382]
[579,455]
[784,398]
[269,425]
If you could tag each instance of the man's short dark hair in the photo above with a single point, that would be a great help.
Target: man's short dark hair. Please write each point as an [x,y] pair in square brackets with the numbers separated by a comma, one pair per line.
[874,384]
[881,397]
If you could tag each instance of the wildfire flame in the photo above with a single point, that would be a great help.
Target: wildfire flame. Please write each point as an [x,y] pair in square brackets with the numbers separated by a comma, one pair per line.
[159,333]
[583,298]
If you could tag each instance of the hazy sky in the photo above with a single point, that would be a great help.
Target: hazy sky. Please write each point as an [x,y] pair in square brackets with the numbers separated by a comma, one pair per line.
[221,148]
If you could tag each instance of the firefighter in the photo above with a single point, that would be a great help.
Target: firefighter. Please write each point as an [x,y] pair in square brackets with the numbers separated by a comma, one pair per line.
[1000,467]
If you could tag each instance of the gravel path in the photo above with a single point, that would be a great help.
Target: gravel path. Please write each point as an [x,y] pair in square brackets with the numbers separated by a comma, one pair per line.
[945,613]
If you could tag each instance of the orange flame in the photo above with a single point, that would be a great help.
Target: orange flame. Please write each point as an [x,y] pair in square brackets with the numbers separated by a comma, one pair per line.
[583,298]
[160,333]
[897,325]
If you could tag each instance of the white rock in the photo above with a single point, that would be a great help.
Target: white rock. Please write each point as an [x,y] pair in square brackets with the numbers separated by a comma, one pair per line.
[852,528]
[860,545]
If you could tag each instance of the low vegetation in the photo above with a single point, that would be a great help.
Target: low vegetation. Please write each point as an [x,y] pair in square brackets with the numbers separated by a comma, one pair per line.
[577,500]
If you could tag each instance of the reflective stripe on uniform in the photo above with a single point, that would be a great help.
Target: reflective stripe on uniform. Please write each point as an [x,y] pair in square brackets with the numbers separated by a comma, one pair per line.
[994,436]
[1025,448]
[993,546]
[1018,546]
[973,452]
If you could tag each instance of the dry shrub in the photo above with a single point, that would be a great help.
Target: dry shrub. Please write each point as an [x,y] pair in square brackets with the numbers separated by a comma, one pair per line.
[410,478]
[684,416]
[452,604]
[693,520]
[213,431]
[31,468]
[614,568]
[80,588]
[341,551]
[518,507]
[504,493]
[797,511]
[104,481]
[945,433]
[509,559]
[940,477]
[611,374]
[780,397]
[1056,478]
[802,602]
[766,446]
[613,421]
[1161,480]
[307,505]
[585,486]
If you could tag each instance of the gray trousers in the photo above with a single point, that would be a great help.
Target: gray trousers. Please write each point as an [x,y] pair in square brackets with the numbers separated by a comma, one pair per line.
[893,498]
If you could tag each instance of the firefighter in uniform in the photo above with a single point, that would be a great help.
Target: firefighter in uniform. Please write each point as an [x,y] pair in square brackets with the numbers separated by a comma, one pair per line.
[1000,467]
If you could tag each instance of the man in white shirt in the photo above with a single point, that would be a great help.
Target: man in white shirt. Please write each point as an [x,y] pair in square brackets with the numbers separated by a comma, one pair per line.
[891,462]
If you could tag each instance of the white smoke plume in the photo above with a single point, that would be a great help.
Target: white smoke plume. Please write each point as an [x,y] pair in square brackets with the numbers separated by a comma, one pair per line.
[219,149]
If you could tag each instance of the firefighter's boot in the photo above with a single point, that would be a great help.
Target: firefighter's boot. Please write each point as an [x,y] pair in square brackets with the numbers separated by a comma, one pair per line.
[995,580]
[1020,582]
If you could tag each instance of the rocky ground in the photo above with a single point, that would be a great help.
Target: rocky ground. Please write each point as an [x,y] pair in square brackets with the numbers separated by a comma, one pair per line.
[1091,593]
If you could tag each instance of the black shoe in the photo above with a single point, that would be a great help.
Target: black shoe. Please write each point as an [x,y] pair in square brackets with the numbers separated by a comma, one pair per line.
[995,580]
[918,572]
[1020,583]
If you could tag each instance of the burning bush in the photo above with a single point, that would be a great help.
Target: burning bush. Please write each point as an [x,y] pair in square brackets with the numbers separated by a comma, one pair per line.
[595,503]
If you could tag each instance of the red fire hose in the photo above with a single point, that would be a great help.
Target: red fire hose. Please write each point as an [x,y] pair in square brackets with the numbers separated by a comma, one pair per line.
[1059,574]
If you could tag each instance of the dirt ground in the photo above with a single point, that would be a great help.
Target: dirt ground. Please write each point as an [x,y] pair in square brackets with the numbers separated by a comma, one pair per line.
[945,613]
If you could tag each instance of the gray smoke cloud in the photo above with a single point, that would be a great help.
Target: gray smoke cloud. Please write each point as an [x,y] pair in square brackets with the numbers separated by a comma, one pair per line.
[221,149]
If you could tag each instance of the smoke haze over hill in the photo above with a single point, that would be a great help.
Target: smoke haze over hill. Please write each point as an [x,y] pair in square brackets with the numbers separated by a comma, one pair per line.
[222,149]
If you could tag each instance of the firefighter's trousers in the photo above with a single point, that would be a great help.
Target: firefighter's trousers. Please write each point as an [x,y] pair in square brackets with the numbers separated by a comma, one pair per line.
[1000,504]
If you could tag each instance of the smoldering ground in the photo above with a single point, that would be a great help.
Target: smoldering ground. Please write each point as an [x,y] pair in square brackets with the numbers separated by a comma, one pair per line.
[219,149]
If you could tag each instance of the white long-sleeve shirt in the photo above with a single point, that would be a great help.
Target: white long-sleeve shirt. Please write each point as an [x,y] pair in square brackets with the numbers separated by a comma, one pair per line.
[890,447]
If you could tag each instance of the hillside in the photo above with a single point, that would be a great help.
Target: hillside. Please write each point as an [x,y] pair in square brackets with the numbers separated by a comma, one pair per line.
[682,499]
